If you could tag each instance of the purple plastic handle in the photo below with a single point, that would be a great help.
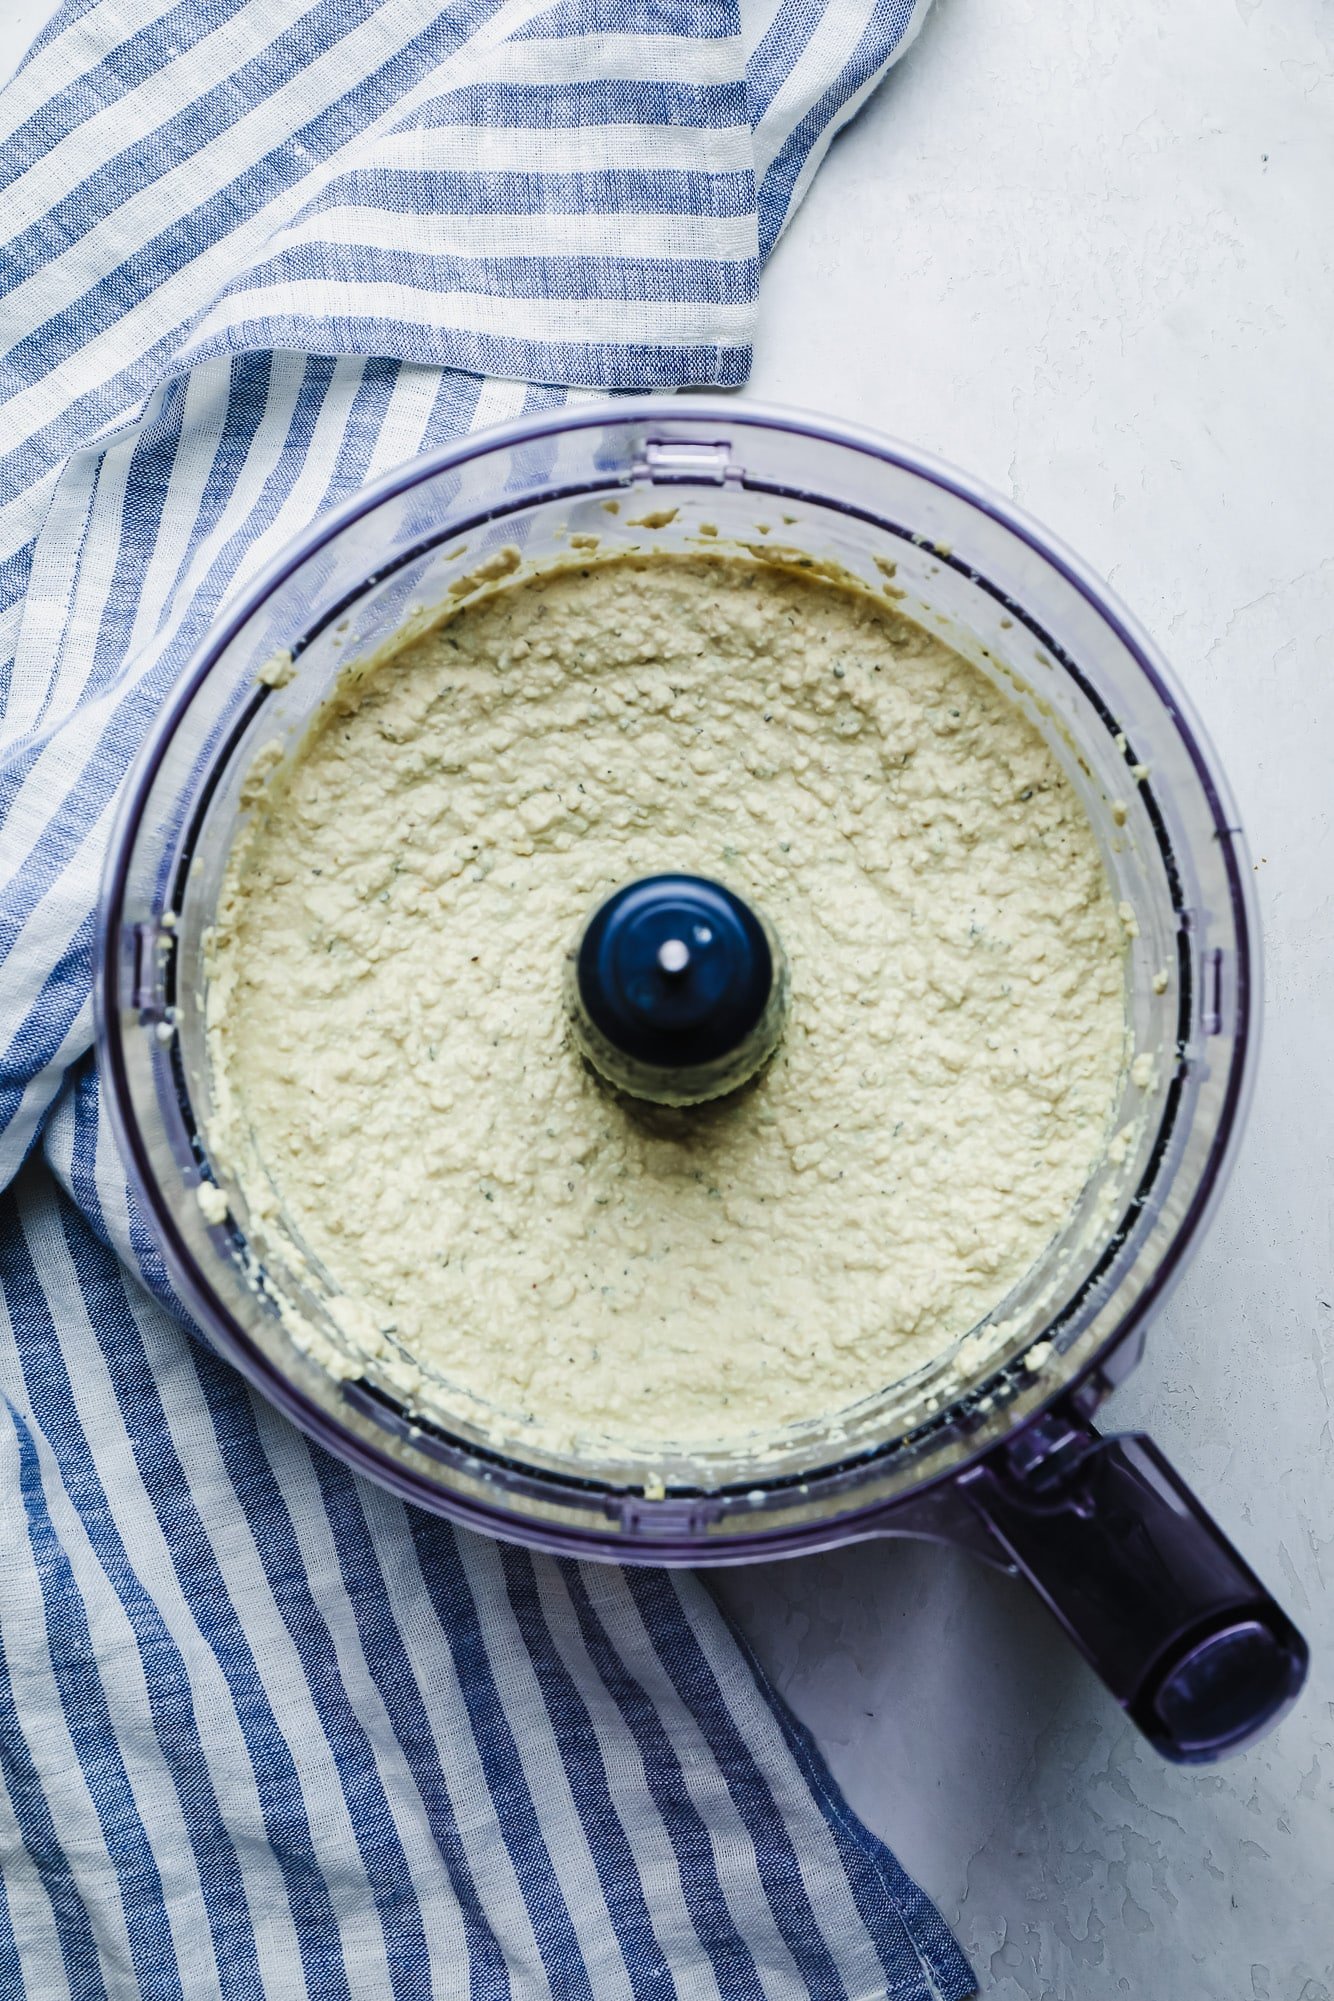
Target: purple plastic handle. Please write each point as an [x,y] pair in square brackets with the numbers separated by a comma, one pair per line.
[1148,1587]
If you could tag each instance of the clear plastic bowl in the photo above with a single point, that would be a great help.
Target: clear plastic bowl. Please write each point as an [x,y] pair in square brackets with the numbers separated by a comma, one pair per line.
[921,1456]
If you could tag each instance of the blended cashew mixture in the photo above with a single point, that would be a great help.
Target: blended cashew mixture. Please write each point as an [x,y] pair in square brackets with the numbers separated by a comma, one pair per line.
[386,1023]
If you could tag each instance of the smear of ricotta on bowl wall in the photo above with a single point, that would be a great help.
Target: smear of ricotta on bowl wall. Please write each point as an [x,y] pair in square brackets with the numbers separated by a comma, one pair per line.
[386,1024]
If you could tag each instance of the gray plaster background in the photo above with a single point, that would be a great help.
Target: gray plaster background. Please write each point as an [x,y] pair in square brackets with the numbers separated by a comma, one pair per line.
[1086,253]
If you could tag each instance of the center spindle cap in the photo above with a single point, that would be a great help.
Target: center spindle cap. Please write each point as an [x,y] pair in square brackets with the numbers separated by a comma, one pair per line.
[678,989]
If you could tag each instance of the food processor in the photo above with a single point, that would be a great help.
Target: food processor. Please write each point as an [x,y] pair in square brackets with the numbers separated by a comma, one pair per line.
[993,1446]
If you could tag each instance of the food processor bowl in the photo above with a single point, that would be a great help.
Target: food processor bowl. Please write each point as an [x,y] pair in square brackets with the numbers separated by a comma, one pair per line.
[992,1446]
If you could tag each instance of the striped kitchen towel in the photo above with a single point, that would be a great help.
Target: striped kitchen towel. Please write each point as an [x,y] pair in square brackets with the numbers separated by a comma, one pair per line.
[264,1731]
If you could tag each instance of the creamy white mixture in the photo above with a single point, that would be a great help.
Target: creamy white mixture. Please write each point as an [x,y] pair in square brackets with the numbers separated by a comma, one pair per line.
[387,1031]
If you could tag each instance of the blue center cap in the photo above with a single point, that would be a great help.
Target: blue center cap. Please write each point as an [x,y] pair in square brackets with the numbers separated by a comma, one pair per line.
[675,971]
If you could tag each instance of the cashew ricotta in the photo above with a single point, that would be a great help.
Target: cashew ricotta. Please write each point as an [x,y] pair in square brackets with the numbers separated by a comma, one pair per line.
[391,1058]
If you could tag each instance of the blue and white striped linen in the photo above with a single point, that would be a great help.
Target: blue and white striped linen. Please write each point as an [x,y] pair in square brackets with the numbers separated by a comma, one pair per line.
[264,1731]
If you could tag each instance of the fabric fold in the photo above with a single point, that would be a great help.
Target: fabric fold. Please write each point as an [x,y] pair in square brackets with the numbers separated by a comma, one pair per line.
[324,177]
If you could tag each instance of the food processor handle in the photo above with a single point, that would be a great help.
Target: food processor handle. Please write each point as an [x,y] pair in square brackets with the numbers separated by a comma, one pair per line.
[1146,1584]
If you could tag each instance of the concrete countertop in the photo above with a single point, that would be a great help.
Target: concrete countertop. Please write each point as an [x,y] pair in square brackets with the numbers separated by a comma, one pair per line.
[1086,255]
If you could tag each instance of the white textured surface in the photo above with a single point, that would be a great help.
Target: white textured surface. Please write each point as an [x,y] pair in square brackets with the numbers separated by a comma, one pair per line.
[1054,251]
[20,22]
[1085,253]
